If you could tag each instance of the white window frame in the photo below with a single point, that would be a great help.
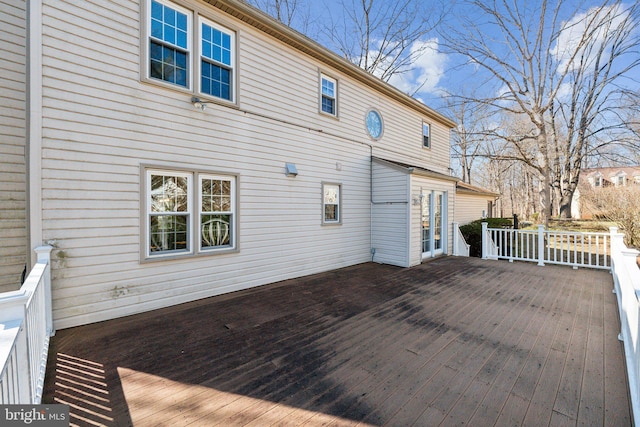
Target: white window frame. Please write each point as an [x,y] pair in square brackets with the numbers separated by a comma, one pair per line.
[149,213]
[232,63]
[334,98]
[338,205]
[231,212]
[196,16]
[189,49]
[428,135]
[194,213]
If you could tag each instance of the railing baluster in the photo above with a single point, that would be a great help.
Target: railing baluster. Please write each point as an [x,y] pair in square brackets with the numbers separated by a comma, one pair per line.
[567,248]
[26,316]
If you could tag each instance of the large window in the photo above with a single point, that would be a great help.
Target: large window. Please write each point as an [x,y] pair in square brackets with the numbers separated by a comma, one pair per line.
[331,203]
[328,95]
[216,66]
[169,208]
[216,211]
[183,218]
[169,43]
[171,57]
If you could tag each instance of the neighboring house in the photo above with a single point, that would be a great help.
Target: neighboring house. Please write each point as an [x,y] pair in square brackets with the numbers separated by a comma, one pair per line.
[600,178]
[179,150]
[473,203]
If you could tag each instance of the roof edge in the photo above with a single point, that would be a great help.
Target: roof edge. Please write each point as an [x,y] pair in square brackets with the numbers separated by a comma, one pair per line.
[265,23]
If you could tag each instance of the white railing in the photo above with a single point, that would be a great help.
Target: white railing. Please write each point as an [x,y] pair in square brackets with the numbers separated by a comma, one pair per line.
[25,327]
[626,280]
[576,249]
[460,245]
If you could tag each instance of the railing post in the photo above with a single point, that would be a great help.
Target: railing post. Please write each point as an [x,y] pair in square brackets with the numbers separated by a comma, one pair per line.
[456,231]
[485,242]
[541,245]
[44,256]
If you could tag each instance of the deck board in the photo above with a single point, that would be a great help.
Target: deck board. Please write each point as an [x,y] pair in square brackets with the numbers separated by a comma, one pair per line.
[454,341]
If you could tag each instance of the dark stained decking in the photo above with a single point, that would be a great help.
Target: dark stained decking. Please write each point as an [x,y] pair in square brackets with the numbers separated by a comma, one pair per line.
[454,341]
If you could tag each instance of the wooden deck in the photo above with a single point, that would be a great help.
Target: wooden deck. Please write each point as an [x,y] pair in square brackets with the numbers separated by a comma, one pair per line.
[455,341]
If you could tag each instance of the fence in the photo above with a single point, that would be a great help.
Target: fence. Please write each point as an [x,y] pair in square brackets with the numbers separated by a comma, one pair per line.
[626,279]
[25,327]
[576,249]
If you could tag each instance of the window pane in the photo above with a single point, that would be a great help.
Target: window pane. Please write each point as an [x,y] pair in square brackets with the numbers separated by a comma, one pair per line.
[331,194]
[156,10]
[330,213]
[168,233]
[328,105]
[215,230]
[168,194]
[218,45]
[216,81]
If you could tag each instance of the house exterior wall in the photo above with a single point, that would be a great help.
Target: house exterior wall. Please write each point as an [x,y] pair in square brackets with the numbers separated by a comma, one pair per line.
[390,215]
[13,221]
[470,207]
[421,184]
[102,123]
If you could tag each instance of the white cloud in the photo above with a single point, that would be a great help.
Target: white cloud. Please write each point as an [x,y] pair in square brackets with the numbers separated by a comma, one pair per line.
[427,70]
[571,38]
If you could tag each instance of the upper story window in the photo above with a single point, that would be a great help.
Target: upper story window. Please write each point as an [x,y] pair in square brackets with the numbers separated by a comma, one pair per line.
[207,69]
[426,135]
[217,59]
[331,203]
[598,181]
[621,181]
[328,98]
[169,43]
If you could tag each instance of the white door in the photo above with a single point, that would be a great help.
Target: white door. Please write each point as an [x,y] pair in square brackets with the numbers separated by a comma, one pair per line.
[433,223]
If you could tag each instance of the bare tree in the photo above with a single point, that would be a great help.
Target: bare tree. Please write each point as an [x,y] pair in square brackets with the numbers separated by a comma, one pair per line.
[562,79]
[293,13]
[620,205]
[467,139]
[384,38]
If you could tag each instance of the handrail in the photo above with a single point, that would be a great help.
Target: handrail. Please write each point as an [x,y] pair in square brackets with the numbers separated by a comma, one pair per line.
[626,279]
[26,325]
[460,245]
[576,249]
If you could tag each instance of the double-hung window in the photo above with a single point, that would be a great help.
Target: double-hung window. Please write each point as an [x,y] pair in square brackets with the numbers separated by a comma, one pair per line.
[328,95]
[331,203]
[183,218]
[216,62]
[169,43]
[426,135]
[216,211]
[206,69]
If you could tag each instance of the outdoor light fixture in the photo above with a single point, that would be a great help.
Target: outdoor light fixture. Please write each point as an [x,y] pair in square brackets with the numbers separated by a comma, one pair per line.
[198,103]
[290,170]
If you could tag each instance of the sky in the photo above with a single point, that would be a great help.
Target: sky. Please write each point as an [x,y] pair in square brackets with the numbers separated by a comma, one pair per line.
[434,72]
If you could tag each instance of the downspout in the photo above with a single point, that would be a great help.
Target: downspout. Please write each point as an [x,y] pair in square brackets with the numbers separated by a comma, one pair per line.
[33,149]
[371,248]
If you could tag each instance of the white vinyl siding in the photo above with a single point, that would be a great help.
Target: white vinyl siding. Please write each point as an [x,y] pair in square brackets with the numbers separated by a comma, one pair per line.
[101,123]
[470,207]
[13,221]
[390,215]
